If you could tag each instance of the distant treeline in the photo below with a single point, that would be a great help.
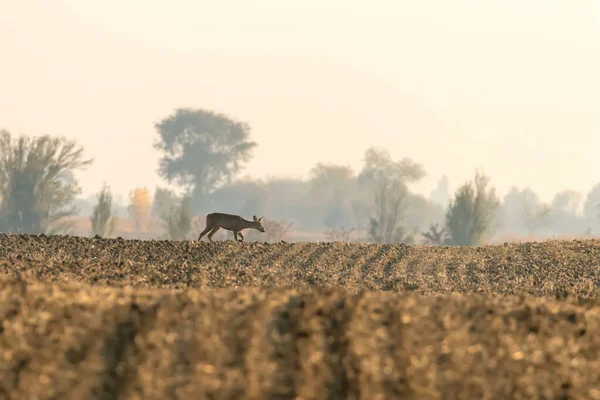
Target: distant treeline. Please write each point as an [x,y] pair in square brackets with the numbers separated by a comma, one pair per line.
[202,156]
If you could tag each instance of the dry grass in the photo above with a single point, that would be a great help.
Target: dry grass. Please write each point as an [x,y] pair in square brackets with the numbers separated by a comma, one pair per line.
[86,318]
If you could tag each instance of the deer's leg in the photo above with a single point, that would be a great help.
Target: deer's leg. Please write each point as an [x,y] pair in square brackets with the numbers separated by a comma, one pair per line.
[214,230]
[241,236]
[235,233]
[204,232]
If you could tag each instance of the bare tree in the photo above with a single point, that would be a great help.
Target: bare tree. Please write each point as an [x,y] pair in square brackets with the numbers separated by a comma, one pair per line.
[37,182]
[436,236]
[103,221]
[388,181]
[389,204]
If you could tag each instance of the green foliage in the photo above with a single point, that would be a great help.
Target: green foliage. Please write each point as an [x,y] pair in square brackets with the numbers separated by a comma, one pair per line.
[37,186]
[178,220]
[470,215]
[201,149]
[386,182]
[103,222]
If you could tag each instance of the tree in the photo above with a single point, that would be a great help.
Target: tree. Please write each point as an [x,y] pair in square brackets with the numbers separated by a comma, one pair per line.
[331,191]
[288,200]
[332,182]
[387,183]
[201,149]
[535,213]
[103,221]
[441,194]
[470,215]
[566,216]
[139,208]
[178,220]
[244,196]
[423,213]
[37,182]
[523,210]
[436,236]
[162,202]
[567,201]
[591,207]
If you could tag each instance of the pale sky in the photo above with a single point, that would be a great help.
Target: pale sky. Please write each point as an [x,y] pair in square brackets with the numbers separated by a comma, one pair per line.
[510,86]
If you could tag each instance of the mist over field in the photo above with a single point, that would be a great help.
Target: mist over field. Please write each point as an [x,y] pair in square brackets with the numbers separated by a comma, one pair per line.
[418,185]
[510,89]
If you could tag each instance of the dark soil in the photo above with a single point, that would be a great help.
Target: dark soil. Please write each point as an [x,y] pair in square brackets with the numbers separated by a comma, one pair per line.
[93,318]
[551,269]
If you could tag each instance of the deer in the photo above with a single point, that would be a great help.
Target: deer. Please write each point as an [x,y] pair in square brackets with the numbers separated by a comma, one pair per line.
[235,223]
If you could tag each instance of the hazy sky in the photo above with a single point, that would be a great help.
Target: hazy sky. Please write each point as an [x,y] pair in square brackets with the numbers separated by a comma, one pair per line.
[512,87]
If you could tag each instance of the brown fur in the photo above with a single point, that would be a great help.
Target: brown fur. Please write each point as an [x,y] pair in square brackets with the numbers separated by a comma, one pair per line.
[235,223]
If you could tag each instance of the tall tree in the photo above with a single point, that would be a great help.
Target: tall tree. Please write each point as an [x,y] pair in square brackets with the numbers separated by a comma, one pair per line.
[37,184]
[387,182]
[103,221]
[470,215]
[201,149]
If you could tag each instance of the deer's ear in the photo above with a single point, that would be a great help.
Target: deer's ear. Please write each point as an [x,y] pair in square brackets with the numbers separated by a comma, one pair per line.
[260,219]
[255,217]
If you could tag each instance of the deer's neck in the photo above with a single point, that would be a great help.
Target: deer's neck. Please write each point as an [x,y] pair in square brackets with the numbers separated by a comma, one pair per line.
[247,224]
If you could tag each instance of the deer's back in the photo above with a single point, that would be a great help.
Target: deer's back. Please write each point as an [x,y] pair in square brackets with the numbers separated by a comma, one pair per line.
[227,221]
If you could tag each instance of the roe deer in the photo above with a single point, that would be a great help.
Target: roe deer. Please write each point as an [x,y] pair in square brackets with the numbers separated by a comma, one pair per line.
[235,223]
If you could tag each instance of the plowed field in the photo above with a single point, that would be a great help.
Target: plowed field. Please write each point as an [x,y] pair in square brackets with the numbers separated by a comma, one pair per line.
[93,318]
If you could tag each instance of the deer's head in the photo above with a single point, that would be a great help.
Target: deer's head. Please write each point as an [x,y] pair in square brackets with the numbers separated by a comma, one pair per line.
[258,223]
